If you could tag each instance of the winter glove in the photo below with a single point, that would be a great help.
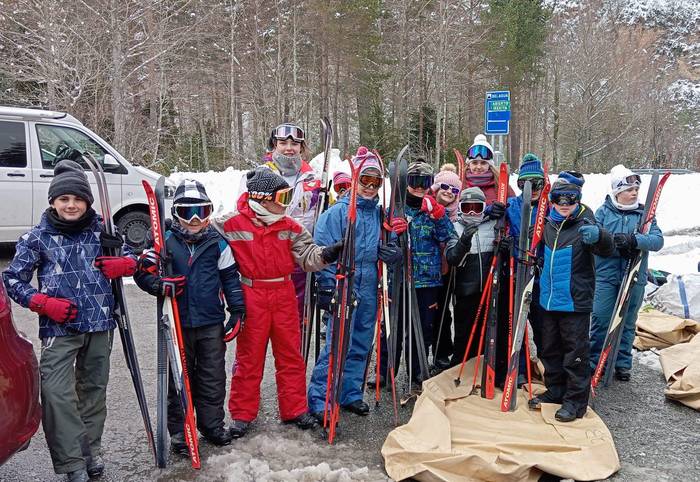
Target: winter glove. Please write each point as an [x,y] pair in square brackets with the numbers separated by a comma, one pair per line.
[495,210]
[330,254]
[115,266]
[432,207]
[59,310]
[171,286]
[390,254]
[323,299]
[235,323]
[110,241]
[149,262]
[466,237]
[397,225]
[624,241]
[590,233]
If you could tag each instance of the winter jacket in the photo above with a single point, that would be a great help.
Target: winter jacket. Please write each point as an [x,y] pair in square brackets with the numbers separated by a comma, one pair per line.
[615,221]
[202,301]
[567,282]
[426,236]
[472,262]
[513,212]
[267,252]
[66,269]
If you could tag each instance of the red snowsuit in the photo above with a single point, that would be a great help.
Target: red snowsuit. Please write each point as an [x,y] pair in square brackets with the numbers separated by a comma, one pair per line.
[266,257]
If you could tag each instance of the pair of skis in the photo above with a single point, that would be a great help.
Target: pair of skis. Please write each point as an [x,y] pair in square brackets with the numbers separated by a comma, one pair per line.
[171,348]
[121,313]
[606,363]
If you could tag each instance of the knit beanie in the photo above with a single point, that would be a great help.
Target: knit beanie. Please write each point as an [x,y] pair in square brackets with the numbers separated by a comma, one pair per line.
[419,168]
[472,153]
[568,181]
[472,194]
[340,177]
[531,167]
[263,183]
[619,182]
[190,191]
[447,177]
[367,159]
[70,178]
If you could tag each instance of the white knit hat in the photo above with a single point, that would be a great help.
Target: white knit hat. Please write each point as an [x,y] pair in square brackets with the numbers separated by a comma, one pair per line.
[480,140]
[619,179]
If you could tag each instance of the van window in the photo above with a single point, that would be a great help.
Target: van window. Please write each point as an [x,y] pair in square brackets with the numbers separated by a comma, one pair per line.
[55,142]
[13,144]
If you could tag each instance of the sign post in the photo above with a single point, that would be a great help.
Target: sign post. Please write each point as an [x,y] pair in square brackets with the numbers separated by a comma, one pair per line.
[497,116]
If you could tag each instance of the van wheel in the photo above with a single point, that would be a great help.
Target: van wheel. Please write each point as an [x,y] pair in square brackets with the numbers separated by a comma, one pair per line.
[134,226]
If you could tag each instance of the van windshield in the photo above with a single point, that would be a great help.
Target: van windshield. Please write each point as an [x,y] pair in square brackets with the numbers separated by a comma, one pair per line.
[57,143]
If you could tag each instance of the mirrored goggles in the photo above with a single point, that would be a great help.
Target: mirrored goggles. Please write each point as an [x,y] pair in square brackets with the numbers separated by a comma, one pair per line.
[472,208]
[187,212]
[283,197]
[285,131]
[480,151]
[341,187]
[565,198]
[447,187]
[536,183]
[633,180]
[418,181]
[373,182]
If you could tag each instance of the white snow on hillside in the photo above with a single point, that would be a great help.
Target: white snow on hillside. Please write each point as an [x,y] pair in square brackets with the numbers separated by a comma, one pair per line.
[677,216]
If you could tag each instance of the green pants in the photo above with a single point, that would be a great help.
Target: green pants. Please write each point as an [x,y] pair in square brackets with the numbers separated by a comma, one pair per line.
[74,374]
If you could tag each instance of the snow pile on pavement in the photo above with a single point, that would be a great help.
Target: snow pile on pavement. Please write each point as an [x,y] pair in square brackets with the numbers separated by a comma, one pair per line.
[269,456]
[648,358]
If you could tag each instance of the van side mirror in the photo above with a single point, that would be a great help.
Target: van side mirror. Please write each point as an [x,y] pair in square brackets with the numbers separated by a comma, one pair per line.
[110,161]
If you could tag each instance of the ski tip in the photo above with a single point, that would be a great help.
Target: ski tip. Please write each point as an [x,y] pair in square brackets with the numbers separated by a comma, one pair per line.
[457,382]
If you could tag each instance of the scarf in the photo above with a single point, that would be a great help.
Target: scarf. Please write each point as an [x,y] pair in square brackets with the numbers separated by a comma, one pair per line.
[558,218]
[480,180]
[288,166]
[263,214]
[624,207]
[70,227]
[413,201]
[187,235]
[471,220]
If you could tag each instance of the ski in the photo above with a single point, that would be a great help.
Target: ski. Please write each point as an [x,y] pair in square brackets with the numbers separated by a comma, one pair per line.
[172,330]
[121,313]
[488,374]
[461,167]
[608,355]
[311,314]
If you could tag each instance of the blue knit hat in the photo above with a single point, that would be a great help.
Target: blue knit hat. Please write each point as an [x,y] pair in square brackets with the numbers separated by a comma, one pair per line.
[531,167]
[568,181]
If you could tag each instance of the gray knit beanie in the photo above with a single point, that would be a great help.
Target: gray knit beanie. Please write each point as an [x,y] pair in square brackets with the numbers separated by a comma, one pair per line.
[70,178]
[472,194]
[263,183]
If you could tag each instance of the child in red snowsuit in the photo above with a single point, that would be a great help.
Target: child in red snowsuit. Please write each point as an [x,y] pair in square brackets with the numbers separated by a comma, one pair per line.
[267,245]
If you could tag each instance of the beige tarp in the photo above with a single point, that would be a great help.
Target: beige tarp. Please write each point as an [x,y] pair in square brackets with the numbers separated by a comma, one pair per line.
[659,330]
[453,436]
[681,365]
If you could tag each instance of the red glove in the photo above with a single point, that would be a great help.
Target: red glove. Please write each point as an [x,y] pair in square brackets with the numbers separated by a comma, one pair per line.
[115,266]
[234,325]
[149,262]
[432,207]
[173,286]
[397,225]
[59,310]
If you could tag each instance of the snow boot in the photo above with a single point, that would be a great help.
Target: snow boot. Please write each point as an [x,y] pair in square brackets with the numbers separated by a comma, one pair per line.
[536,402]
[358,407]
[219,436]
[95,466]
[623,374]
[238,428]
[568,414]
[78,476]
[304,421]
[178,444]
[372,382]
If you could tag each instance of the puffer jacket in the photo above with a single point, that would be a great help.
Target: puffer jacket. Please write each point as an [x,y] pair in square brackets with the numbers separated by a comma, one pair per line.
[426,235]
[614,221]
[66,269]
[472,262]
[567,282]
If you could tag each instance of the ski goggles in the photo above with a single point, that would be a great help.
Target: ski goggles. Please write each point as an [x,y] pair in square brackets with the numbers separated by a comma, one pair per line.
[283,197]
[372,182]
[629,181]
[480,151]
[447,187]
[536,183]
[187,212]
[341,187]
[418,181]
[472,208]
[565,198]
[285,131]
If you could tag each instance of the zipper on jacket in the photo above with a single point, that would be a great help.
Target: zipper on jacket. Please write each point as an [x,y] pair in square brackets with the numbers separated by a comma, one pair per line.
[551,265]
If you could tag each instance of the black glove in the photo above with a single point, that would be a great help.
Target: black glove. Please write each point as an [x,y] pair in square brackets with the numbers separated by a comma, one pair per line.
[110,241]
[235,323]
[390,253]
[466,237]
[330,254]
[625,244]
[323,299]
[496,210]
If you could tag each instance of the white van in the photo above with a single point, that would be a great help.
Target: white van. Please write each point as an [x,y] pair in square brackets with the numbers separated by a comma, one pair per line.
[29,142]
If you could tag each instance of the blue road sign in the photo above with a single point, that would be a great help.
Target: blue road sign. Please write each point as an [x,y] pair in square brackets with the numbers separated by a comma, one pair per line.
[497,112]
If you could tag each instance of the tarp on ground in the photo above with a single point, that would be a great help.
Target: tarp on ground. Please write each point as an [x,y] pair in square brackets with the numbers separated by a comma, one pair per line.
[454,436]
[660,330]
[680,296]
[681,366]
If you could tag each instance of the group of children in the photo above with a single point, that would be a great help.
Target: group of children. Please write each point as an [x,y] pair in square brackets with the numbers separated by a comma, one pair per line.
[253,262]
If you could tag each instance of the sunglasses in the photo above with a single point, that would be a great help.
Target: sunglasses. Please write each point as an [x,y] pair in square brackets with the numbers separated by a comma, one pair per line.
[373,182]
[633,180]
[471,208]
[285,131]
[565,198]
[480,151]
[283,197]
[537,184]
[418,181]
[187,212]
[447,187]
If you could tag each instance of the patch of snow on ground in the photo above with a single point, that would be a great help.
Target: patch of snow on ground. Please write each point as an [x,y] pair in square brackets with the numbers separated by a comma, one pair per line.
[649,359]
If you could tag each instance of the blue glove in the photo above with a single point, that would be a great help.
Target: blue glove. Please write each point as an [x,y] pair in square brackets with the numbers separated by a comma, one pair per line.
[390,254]
[323,299]
[590,233]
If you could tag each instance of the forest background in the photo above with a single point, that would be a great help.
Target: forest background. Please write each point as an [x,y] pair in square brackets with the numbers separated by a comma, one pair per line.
[193,85]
